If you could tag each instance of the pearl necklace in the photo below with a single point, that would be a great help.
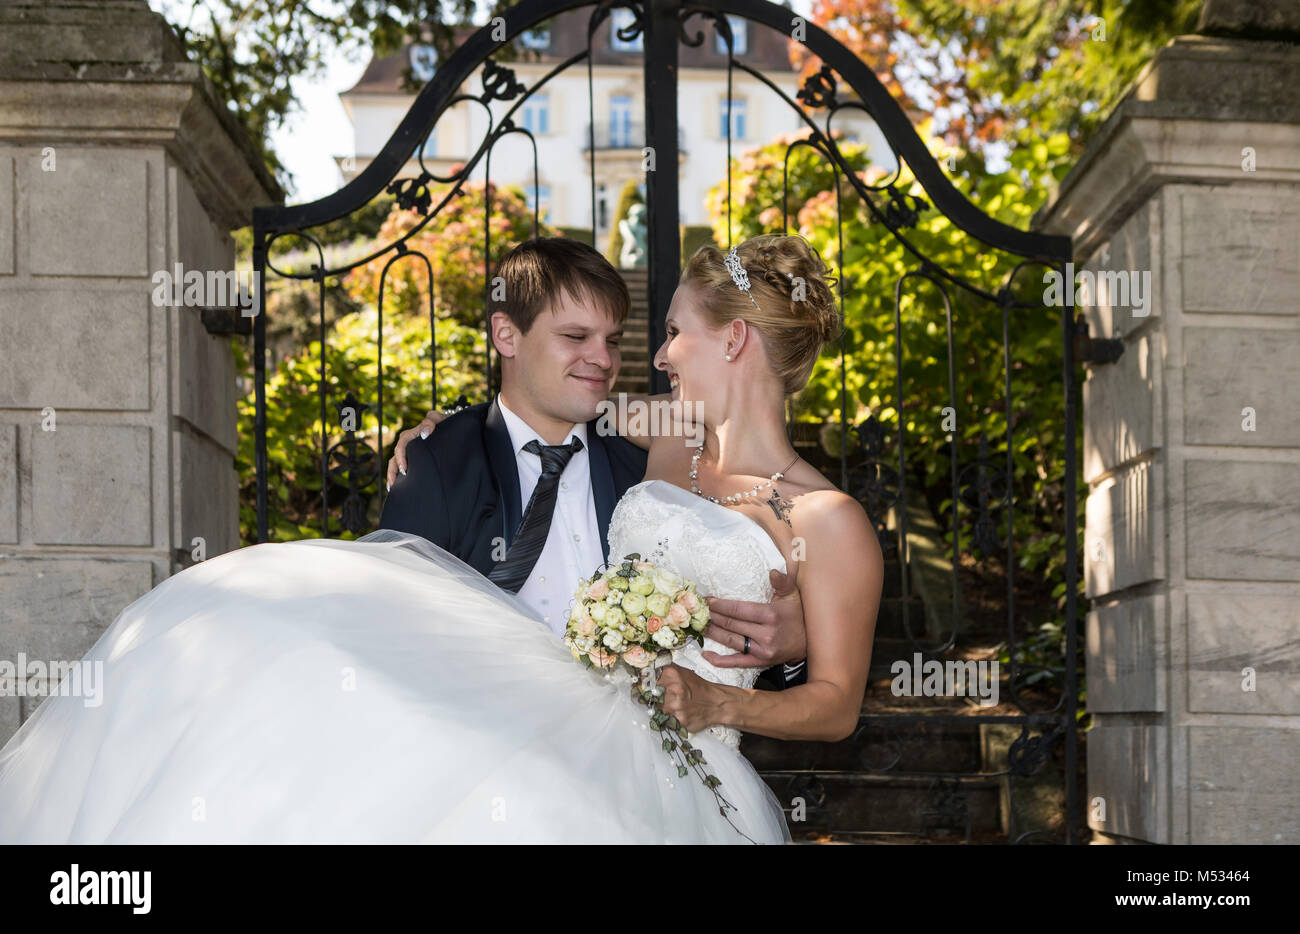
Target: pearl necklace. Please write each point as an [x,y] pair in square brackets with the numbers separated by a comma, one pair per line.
[736,497]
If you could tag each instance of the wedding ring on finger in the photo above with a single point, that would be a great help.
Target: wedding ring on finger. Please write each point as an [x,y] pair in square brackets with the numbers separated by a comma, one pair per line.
[746,645]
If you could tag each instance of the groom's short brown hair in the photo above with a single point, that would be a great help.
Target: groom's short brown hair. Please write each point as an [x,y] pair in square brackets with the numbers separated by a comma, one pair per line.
[536,272]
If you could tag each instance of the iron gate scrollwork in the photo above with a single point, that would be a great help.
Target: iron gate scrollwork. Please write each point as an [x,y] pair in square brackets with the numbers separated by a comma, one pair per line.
[873,462]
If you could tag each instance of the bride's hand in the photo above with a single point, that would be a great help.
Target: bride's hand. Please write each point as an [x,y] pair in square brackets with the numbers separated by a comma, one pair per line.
[688,697]
[397,463]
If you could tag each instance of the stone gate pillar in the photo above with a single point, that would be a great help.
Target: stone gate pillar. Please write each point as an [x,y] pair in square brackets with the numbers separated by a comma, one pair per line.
[117,415]
[1192,439]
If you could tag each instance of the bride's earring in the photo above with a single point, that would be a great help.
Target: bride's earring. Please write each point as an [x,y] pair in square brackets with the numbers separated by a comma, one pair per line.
[728,356]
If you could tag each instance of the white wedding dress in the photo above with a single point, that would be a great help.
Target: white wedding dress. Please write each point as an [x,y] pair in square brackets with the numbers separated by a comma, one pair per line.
[382,690]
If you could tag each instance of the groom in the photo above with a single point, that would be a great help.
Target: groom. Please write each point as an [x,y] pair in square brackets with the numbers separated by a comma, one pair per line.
[522,488]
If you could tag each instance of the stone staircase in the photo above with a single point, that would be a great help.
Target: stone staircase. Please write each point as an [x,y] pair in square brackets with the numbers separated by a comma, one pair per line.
[635,373]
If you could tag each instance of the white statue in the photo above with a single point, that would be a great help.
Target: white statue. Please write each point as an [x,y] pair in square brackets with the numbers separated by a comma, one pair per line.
[633,230]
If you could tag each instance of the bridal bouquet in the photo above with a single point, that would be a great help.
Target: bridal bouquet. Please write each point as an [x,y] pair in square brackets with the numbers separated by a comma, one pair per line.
[632,611]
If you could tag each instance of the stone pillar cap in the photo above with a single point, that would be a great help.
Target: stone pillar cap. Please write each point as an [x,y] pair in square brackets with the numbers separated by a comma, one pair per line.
[114,72]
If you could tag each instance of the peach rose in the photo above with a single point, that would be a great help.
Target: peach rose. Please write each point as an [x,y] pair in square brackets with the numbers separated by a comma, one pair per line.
[601,658]
[586,625]
[654,623]
[677,616]
[599,590]
[690,600]
[637,657]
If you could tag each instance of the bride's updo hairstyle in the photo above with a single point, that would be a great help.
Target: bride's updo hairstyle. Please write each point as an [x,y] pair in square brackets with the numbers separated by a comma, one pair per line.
[796,311]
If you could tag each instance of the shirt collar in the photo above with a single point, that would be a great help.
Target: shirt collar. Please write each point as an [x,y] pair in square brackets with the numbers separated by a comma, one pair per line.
[521,433]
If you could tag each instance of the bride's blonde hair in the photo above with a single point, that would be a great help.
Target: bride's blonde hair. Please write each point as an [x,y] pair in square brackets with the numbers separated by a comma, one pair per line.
[791,285]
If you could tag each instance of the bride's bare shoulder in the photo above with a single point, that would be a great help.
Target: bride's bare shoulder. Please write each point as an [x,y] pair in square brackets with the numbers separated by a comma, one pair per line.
[822,510]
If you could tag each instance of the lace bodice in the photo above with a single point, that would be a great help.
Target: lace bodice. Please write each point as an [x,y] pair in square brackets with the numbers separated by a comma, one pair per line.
[724,552]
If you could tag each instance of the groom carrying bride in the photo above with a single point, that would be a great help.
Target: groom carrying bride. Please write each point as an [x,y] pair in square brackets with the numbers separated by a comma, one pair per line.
[522,488]
[409,686]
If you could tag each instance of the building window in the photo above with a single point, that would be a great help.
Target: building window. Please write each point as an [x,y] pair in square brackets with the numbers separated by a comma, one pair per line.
[620,121]
[737,119]
[621,18]
[537,114]
[538,195]
[538,39]
[739,37]
[602,207]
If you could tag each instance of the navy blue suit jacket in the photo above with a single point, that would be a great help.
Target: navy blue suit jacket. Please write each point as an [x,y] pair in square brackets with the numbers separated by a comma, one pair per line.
[461,491]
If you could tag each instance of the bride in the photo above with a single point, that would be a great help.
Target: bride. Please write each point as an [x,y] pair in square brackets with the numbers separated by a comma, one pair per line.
[382,690]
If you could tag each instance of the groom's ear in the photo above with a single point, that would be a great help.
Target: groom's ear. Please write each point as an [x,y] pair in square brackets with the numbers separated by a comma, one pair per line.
[505,334]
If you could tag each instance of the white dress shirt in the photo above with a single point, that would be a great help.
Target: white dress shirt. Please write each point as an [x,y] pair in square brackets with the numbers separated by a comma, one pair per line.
[572,551]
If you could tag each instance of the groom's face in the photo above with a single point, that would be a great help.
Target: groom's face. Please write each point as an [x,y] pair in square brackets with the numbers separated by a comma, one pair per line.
[569,359]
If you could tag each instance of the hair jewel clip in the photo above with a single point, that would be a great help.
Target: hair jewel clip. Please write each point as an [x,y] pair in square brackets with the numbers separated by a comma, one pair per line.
[738,274]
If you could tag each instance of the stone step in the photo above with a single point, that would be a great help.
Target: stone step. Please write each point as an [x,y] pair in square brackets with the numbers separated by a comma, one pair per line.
[880,743]
[851,803]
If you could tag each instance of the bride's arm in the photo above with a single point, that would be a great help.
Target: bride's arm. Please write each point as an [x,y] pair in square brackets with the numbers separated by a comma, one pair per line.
[840,581]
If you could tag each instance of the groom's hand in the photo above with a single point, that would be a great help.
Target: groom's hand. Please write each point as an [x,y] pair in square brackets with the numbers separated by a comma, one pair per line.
[397,463]
[775,630]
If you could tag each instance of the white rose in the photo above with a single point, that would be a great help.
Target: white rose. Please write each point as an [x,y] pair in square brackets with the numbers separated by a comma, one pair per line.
[665,638]
[666,581]
[613,640]
[633,604]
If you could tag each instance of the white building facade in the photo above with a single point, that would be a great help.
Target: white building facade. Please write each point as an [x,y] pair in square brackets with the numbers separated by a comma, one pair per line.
[558,117]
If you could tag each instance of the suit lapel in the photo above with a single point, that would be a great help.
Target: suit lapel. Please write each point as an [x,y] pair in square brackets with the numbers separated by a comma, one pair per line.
[602,482]
[505,470]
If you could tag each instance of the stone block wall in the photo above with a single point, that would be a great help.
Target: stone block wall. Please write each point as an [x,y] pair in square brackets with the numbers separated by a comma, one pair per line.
[117,415]
[1192,448]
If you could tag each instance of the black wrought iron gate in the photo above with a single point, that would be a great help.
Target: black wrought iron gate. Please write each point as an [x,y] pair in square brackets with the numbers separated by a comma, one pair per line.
[871,464]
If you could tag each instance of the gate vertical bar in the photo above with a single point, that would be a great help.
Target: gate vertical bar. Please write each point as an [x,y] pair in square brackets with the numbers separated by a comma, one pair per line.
[259,378]
[663,240]
[1071,578]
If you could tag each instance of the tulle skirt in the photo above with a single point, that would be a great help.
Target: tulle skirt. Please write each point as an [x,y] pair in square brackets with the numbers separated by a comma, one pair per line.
[378,690]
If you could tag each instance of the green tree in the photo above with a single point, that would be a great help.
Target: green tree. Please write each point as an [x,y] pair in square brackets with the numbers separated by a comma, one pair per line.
[252,50]
[870,262]
[1011,70]
[453,244]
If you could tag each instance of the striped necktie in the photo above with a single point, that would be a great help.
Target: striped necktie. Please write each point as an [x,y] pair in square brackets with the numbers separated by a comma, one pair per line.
[512,573]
